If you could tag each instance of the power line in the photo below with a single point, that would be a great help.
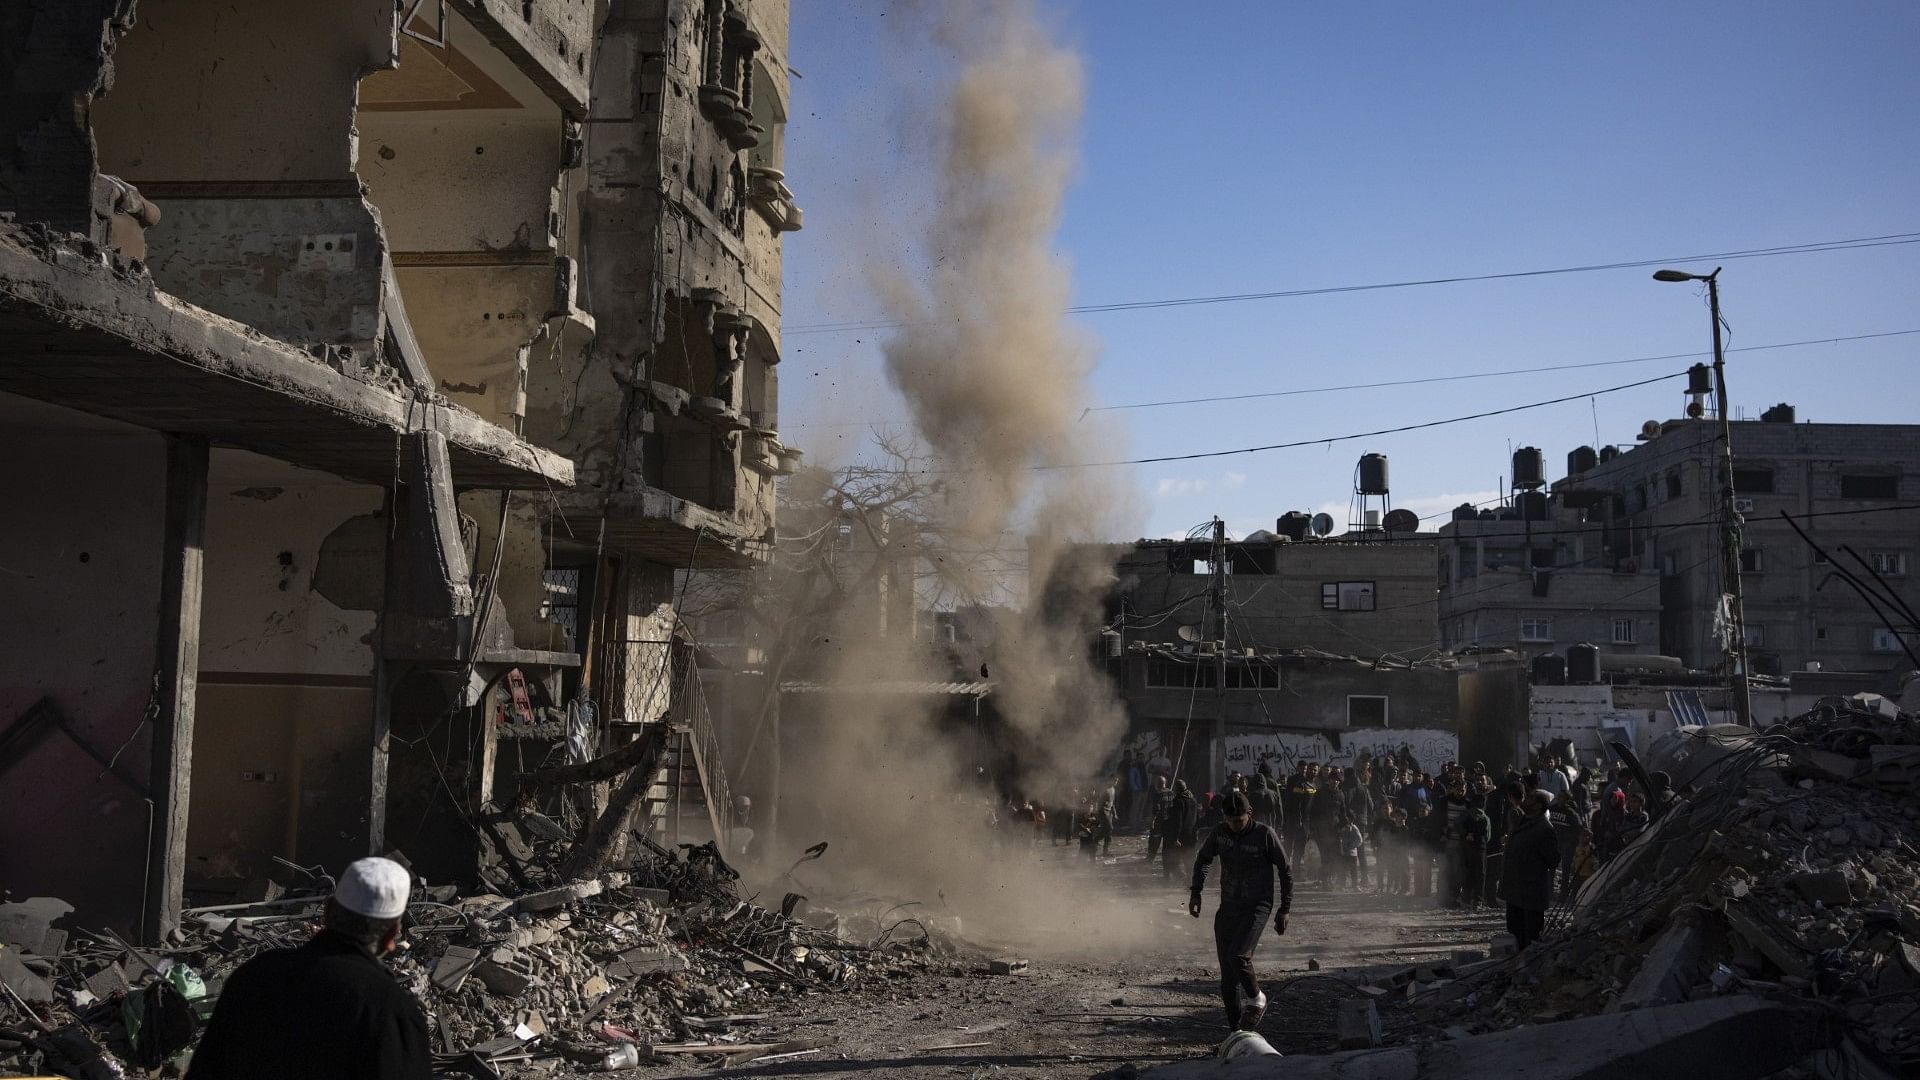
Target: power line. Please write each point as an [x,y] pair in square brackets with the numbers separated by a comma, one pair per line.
[1325,440]
[1490,374]
[1885,240]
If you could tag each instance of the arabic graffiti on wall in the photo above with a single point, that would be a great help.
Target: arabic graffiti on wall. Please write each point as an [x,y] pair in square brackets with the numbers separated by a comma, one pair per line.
[1283,749]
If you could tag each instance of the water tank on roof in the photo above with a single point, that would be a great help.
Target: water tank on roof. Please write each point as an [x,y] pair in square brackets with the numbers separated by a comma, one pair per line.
[1293,524]
[1529,468]
[1465,512]
[1779,414]
[1549,669]
[1533,505]
[1699,379]
[1608,453]
[1583,664]
[1580,459]
[1373,474]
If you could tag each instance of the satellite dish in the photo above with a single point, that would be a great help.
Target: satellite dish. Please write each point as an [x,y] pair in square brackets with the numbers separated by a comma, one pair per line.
[1650,430]
[1402,521]
[1189,632]
[1322,524]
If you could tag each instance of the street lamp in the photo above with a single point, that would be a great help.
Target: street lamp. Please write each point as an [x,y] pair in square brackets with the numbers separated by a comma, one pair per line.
[1729,518]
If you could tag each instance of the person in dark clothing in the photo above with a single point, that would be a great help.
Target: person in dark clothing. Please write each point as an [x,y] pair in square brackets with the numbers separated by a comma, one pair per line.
[1183,820]
[328,1009]
[1531,855]
[1496,803]
[1357,800]
[1158,803]
[1295,794]
[1324,814]
[1250,856]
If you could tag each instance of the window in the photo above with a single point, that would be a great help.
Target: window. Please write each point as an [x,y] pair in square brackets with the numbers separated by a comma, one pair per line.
[1347,596]
[1756,636]
[1753,481]
[1890,563]
[1536,629]
[1885,640]
[1674,487]
[1869,487]
[1162,673]
[1253,676]
[562,602]
[1751,561]
[1366,710]
[1623,632]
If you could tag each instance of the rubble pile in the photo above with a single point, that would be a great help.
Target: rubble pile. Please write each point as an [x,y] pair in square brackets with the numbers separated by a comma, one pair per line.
[665,958]
[1790,869]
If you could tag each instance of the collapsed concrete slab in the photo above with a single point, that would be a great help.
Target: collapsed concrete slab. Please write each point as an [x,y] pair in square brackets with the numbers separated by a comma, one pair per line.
[1726,1038]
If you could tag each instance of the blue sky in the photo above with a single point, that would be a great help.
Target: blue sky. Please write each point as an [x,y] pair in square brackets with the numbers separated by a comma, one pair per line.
[1244,147]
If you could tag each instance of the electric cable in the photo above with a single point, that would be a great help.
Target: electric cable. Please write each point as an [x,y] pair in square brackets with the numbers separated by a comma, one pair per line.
[1884,240]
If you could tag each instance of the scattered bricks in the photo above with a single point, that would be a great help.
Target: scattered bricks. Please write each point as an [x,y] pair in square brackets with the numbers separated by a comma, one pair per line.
[452,968]
[503,972]
[594,987]
[1828,887]
[108,983]
[1010,965]
[1357,1025]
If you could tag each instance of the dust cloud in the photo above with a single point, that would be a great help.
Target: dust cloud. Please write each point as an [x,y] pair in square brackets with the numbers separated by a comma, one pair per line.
[997,383]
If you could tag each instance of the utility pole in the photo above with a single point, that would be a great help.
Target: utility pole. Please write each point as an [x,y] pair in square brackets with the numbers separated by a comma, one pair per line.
[1730,525]
[1737,670]
[1217,604]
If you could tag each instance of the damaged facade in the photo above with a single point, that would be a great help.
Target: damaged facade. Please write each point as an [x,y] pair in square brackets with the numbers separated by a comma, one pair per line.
[372,370]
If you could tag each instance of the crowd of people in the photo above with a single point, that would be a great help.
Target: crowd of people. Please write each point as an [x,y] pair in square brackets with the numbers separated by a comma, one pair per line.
[1460,837]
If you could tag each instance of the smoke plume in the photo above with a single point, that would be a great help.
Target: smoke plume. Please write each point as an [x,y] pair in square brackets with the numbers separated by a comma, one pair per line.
[996,382]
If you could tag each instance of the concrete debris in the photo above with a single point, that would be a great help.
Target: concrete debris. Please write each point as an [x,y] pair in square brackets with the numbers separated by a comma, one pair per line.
[1008,965]
[664,958]
[1357,1025]
[1791,869]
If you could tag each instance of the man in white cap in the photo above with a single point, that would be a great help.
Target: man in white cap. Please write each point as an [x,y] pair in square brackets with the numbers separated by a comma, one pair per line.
[328,1009]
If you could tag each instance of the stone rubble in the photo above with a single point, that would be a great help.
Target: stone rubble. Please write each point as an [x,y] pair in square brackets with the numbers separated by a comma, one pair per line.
[666,958]
[1790,872]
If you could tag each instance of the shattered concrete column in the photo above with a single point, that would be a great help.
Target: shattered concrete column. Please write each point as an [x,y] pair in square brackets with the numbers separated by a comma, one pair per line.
[177,663]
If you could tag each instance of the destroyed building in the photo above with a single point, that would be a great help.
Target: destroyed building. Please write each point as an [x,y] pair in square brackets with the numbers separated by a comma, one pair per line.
[371,370]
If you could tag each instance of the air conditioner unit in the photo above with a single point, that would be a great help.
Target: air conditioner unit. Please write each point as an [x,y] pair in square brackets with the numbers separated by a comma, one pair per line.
[1743,506]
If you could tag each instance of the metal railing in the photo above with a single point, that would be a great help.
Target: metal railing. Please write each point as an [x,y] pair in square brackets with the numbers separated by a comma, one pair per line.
[700,736]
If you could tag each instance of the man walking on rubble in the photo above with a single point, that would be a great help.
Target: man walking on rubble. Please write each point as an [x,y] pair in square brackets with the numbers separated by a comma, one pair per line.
[1250,856]
[327,1009]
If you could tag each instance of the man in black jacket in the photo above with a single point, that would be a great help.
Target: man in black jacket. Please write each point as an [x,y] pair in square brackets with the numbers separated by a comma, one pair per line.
[328,1009]
[1528,860]
[1183,816]
[1250,855]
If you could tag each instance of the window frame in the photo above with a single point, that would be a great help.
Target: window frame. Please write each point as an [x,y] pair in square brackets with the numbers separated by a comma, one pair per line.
[1890,479]
[1888,563]
[1386,711]
[1338,591]
[1632,636]
[1538,620]
[1765,487]
[1759,561]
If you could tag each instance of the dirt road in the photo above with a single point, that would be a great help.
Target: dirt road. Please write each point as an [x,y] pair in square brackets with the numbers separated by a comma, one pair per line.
[1079,1012]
